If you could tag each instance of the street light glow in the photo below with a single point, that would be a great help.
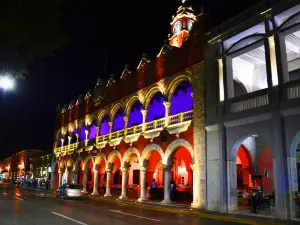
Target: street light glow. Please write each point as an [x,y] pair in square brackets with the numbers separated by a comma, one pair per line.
[7,83]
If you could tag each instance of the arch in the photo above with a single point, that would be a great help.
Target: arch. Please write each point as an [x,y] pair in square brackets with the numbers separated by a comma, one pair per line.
[71,127]
[129,104]
[71,163]
[81,123]
[114,110]
[101,114]
[77,161]
[239,88]
[294,144]
[176,144]
[92,118]
[174,83]
[255,38]
[148,96]
[61,164]
[110,158]
[86,160]
[100,157]
[129,152]
[152,147]
[288,22]
[236,145]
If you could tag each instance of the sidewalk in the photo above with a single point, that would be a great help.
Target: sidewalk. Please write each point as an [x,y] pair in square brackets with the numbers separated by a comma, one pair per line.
[187,210]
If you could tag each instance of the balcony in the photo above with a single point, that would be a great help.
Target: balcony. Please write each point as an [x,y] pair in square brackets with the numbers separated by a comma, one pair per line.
[249,101]
[135,130]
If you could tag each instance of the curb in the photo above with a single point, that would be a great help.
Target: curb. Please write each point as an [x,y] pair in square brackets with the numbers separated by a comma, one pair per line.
[190,213]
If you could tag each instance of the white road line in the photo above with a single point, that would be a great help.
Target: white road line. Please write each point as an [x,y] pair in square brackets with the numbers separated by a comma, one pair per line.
[18,198]
[128,214]
[76,221]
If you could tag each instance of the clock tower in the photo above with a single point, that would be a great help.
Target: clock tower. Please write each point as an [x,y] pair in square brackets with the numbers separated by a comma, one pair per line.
[181,24]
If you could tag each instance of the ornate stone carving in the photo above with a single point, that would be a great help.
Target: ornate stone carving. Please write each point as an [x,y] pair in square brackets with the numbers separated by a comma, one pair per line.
[178,128]
[151,135]
[115,142]
[131,138]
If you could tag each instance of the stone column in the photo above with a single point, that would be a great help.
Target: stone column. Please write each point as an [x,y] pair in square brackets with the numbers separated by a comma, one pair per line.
[167,112]
[85,180]
[97,134]
[62,142]
[143,187]
[108,177]
[199,136]
[144,112]
[167,186]
[125,124]
[75,177]
[110,128]
[67,176]
[86,137]
[95,188]
[77,138]
[232,186]
[293,184]
[124,183]
[59,178]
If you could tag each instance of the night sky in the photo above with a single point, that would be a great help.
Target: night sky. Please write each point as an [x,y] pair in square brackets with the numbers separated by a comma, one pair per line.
[126,29]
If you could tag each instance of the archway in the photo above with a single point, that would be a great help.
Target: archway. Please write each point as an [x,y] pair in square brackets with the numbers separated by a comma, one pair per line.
[114,164]
[182,175]
[78,172]
[156,108]
[88,175]
[73,137]
[58,141]
[69,172]
[104,125]
[82,133]
[181,100]
[118,120]
[152,158]
[135,115]
[93,130]
[293,164]
[250,169]
[100,165]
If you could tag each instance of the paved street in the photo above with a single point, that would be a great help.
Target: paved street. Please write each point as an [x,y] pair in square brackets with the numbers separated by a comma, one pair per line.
[21,206]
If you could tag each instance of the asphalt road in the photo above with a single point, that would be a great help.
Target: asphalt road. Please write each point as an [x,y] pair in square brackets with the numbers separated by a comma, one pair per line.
[18,206]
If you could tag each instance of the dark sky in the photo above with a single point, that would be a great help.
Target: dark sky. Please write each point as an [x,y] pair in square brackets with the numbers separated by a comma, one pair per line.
[125,28]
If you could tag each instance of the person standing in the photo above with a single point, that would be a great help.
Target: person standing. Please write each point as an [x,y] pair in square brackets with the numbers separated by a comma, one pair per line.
[153,188]
[172,190]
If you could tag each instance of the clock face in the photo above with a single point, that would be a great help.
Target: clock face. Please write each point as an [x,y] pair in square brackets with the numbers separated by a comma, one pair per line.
[190,24]
[177,27]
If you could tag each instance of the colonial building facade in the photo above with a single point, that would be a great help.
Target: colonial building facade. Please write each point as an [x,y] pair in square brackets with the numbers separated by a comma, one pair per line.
[142,126]
[252,128]
[242,136]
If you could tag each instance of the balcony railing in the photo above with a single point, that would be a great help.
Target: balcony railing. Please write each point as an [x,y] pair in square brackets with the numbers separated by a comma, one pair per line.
[293,89]
[138,129]
[249,101]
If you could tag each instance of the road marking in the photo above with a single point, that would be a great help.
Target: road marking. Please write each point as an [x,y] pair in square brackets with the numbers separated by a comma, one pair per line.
[76,221]
[18,198]
[128,214]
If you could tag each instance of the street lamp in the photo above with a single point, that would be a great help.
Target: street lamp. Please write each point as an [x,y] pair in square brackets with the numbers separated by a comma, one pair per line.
[7,82]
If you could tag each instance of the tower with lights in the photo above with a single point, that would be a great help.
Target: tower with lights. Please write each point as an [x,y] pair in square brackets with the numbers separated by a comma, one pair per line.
[181,24]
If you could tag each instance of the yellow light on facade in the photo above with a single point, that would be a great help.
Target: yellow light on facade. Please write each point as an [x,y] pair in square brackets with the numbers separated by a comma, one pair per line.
[221,80]
[273,61]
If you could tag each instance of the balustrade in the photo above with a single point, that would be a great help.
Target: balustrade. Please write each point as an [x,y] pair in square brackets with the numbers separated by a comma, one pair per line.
[249,101]
[293,89]
[137,129]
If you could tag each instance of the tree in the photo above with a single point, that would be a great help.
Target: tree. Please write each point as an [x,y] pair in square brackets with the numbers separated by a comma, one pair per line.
[29,29]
